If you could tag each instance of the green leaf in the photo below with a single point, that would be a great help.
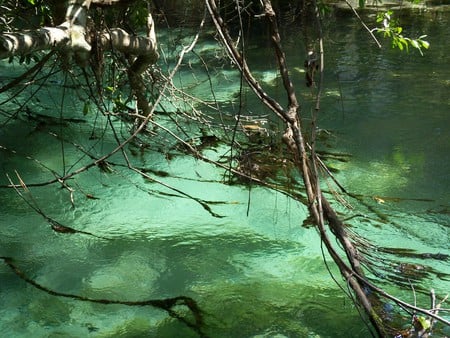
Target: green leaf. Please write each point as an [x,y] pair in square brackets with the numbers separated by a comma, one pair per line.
[405,42]
[425,44]
[425,323]
[86,108]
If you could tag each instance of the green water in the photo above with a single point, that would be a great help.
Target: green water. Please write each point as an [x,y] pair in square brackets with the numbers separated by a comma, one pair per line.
[259,274]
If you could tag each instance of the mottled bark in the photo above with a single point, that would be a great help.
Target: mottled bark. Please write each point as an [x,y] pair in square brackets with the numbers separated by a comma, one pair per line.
[72,37]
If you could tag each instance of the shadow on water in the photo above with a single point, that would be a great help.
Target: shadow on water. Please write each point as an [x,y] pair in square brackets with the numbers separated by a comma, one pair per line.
[255,275]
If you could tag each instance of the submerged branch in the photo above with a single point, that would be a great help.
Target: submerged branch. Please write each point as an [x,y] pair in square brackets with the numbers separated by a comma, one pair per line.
[319,207]
[55,225]
[166,304]
[36,68]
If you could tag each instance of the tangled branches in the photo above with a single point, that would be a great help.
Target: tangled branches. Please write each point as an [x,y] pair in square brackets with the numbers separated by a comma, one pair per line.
[144,110]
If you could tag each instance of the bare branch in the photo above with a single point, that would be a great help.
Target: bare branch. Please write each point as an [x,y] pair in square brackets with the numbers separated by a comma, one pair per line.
[363,23]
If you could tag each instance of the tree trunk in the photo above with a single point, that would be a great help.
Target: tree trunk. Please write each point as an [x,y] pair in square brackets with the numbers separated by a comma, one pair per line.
[71,37]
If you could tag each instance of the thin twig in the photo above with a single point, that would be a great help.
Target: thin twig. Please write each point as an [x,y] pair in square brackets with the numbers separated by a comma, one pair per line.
[55,225]
[362,23]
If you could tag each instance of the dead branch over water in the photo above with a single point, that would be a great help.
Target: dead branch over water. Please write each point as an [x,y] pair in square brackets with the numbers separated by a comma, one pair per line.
[303,155]
[320,208]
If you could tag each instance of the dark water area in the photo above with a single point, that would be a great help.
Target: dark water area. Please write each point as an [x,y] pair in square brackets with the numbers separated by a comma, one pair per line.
[380,105]
[255,272]
[397,106]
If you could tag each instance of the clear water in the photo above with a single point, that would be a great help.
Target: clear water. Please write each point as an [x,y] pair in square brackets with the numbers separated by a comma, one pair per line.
[255,275]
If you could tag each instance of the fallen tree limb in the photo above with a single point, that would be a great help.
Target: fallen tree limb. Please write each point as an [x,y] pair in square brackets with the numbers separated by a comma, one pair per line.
[320,208]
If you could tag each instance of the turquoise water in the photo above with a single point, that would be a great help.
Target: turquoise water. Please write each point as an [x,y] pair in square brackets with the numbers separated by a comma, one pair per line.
[249,264]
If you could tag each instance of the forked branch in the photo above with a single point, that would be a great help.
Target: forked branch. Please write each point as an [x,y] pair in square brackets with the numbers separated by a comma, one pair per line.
[320,208]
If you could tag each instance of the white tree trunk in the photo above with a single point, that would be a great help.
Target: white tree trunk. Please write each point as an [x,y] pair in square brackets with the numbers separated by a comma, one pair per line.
[26,42]
[71,37]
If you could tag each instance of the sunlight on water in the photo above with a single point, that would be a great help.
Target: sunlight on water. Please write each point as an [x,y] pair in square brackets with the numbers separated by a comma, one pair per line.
[255,275]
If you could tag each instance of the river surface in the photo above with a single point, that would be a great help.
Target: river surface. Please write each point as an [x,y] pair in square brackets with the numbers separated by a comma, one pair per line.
[248,262]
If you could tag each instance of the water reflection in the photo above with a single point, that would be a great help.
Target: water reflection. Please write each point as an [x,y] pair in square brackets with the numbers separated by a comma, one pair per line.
[260,275]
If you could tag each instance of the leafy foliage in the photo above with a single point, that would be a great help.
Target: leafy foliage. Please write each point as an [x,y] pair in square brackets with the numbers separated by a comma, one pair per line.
[391,29]
[42,11]
[24,13]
